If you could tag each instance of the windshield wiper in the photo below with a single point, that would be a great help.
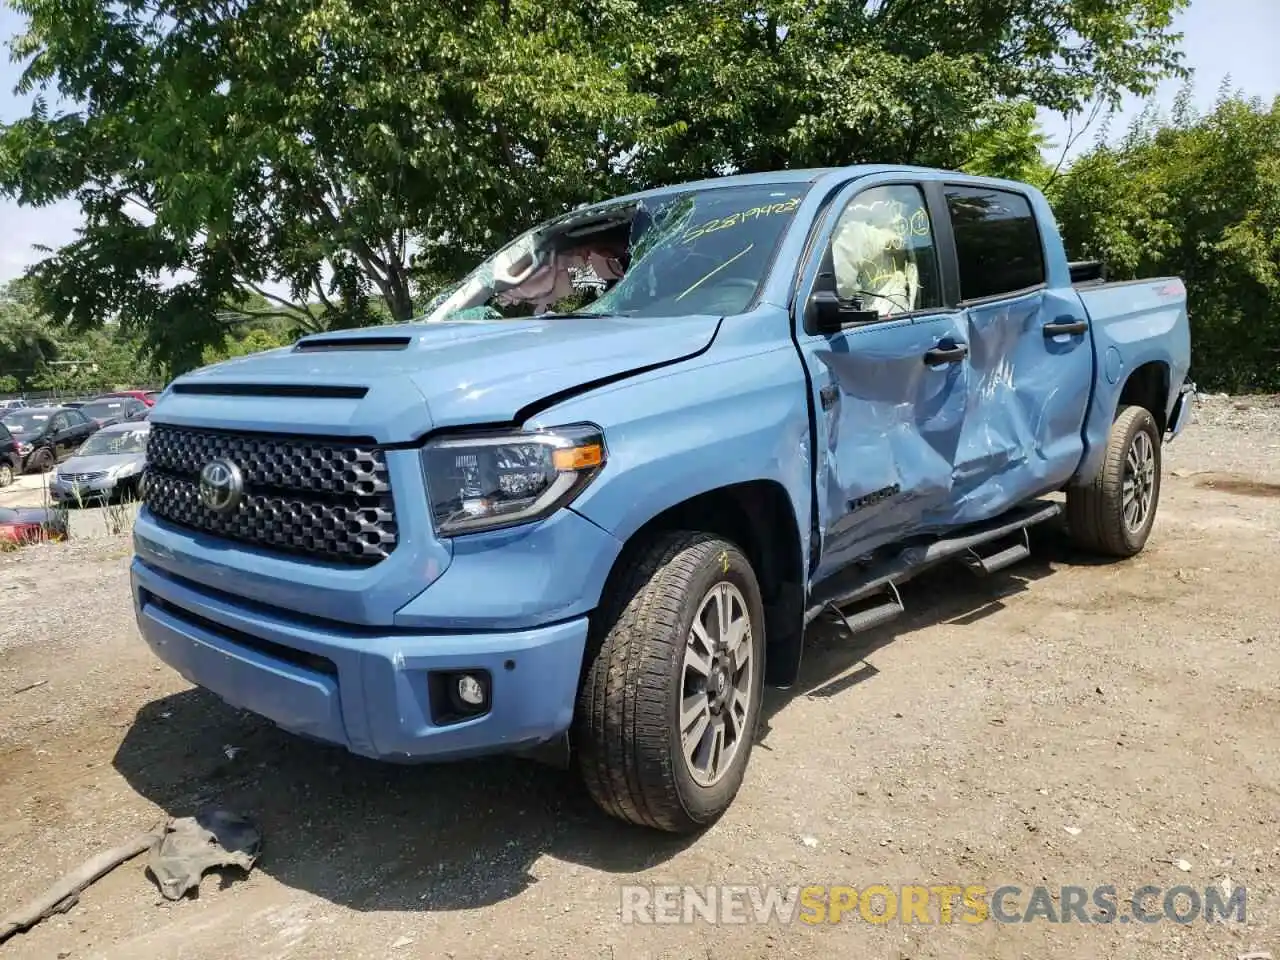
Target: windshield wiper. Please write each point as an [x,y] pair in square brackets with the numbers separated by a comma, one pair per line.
[585,315]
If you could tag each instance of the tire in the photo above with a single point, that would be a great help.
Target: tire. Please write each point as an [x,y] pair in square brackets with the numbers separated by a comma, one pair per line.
[628,732]
[1098,516]
[6,473]
[42,461]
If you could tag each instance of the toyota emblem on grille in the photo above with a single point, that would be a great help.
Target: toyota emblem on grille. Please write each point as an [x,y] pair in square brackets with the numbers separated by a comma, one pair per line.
[221,485]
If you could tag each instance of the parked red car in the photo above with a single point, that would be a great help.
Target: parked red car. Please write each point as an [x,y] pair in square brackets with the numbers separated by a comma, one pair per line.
[23,526]
[146,396]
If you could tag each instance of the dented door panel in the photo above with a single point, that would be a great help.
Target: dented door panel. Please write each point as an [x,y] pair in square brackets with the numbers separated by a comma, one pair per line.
[1028,393]
[890,431]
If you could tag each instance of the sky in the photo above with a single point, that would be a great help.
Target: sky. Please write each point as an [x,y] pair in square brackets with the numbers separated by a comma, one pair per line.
[1239,39]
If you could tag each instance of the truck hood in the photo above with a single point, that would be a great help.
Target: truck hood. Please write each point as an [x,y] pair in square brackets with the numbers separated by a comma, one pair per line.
[395,383]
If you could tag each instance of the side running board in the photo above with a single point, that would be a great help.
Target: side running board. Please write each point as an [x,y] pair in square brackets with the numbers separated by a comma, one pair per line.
[1005,557]
[878,609]
[866,596]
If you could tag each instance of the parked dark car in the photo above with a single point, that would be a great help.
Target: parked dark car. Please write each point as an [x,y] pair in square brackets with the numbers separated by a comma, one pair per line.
[34,525]
[48,435]
[10,458]
[105,411]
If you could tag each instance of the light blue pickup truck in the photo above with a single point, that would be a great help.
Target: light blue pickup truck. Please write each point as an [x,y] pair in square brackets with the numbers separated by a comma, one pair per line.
[592,499]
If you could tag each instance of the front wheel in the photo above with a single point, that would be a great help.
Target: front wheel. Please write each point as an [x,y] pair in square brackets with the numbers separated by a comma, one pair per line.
[1114,514]
[6,473]
[42,461]
[671,696]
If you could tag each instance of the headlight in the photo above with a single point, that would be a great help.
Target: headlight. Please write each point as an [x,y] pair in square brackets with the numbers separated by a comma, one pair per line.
[491,481]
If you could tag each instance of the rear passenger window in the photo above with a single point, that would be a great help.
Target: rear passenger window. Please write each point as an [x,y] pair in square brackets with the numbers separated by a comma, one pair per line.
[997,242]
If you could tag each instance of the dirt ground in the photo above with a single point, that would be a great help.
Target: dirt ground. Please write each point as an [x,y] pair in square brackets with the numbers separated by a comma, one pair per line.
[1065,723]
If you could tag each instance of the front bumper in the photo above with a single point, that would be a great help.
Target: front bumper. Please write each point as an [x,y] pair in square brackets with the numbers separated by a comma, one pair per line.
[364,688]
[65,491]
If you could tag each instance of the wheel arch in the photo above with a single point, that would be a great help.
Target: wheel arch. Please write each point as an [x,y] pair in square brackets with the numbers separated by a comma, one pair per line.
[759,517]
[1150,384]
[1147,386]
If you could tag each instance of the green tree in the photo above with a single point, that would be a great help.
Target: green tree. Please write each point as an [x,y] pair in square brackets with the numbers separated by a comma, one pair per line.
[1196,197]
[36,355]
[1008,143]
[255,340]
[761,84]
[363,154]
[236,144]
[26,341]
[92,361]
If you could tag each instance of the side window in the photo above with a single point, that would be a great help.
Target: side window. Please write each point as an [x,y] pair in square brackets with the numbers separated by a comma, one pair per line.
[74,418]
[883,252]
[58,423]
[997,241]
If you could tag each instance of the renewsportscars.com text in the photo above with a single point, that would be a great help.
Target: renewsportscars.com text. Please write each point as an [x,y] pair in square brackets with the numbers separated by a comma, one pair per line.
[929,904]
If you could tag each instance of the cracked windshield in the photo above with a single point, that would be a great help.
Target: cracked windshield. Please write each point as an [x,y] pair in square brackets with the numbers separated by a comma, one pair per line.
[704,251]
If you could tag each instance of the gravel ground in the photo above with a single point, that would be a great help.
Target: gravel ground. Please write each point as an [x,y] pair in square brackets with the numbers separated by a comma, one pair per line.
[1068,723]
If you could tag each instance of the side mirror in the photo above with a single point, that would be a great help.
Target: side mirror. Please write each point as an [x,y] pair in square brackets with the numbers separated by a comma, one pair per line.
[827,313]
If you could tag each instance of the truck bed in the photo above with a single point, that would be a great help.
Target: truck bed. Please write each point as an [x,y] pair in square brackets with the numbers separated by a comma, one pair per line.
[1142,346]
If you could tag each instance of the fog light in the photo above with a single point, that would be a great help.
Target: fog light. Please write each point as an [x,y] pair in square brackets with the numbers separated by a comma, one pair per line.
[470,690]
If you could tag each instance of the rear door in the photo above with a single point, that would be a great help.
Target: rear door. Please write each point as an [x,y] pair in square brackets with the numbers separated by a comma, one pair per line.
[81,428]
[1030,354]
[889,394]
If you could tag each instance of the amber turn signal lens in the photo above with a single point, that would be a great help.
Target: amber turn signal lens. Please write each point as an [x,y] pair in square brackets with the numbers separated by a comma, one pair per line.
[578,458]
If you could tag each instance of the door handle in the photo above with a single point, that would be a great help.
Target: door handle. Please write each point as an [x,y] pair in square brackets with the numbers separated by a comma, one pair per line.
[1065,324]
[947,351]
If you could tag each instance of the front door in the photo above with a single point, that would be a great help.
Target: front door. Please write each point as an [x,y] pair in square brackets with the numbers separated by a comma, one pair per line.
[60,437]
[889,393]
[1031,362]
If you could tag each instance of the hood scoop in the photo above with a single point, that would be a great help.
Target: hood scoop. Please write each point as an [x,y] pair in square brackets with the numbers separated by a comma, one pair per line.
[326,344]
[319,392]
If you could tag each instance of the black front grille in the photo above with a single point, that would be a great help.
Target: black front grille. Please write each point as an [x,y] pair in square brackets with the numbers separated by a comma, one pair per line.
[329,498]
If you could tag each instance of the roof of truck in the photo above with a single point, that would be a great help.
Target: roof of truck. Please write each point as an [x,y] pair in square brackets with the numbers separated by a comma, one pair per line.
[764,177]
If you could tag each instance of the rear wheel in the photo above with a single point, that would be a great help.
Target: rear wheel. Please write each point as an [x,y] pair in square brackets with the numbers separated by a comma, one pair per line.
[1114,514]
[671,697]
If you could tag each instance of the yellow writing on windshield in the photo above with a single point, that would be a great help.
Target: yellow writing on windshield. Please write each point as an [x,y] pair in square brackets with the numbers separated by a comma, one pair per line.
[739,218]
